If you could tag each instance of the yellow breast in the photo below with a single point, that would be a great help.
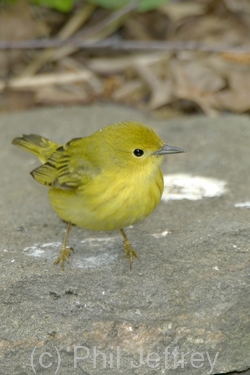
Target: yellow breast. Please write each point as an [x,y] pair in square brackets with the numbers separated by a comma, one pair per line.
[109,203]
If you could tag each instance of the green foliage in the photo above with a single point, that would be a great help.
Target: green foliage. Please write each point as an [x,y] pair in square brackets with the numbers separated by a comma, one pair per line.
[7,2]
[144,5]
[67,5]
[60,5]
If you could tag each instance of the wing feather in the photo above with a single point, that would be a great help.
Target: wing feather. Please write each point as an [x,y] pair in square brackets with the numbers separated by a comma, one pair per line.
[66,168]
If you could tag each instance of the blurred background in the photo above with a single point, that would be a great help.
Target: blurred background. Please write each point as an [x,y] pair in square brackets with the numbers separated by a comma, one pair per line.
[170,58]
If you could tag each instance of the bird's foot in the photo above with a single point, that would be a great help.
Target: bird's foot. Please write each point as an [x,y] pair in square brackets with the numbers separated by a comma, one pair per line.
[64,256]
[129,252]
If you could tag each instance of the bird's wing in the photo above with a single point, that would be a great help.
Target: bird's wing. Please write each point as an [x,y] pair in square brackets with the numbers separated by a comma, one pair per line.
[67,168]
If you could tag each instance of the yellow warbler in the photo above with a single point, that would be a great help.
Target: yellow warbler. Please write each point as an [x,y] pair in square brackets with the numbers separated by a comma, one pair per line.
[106,181]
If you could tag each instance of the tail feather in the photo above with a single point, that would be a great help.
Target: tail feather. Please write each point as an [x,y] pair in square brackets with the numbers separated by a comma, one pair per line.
[43,148]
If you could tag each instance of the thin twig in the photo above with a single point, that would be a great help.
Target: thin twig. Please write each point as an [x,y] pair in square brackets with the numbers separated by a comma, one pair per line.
[46,79]
[68,30]
[97,32]
[118,45]
[113,18]
[89,35]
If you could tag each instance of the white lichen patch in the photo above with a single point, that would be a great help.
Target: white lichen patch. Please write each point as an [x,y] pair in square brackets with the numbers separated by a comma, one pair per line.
[185,186]
[42,250]
[96,252]
[242,205]
[160,235]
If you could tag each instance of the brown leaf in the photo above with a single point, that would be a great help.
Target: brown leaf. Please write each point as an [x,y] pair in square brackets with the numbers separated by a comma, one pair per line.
[237,98]
[146,26]
[17,23]
[161,90]
[126,89]
[239,58]
[177,11]
[213,30]
[188,89]
[58,95]
[203,77]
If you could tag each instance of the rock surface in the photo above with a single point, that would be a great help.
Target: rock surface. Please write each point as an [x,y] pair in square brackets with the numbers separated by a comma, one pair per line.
[188,298]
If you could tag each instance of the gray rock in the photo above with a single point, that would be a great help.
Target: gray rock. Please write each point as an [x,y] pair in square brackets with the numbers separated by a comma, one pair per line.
[189,294]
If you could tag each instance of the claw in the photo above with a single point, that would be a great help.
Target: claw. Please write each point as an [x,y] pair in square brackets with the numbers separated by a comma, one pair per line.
[64,256]
[129,252]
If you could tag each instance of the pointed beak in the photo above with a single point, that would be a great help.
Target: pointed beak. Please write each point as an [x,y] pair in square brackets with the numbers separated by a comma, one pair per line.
[168,150]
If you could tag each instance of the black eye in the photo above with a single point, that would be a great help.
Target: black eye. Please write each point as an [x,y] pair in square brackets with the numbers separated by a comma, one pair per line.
[138,152]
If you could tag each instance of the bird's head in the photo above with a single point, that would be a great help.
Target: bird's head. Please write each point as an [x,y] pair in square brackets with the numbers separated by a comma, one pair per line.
[133,145]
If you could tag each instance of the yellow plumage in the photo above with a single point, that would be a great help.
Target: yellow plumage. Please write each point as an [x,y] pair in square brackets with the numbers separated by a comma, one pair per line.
[106,181]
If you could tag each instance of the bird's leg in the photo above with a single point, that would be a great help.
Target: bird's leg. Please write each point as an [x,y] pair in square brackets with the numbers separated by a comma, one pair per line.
[129,252]
[65,252]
